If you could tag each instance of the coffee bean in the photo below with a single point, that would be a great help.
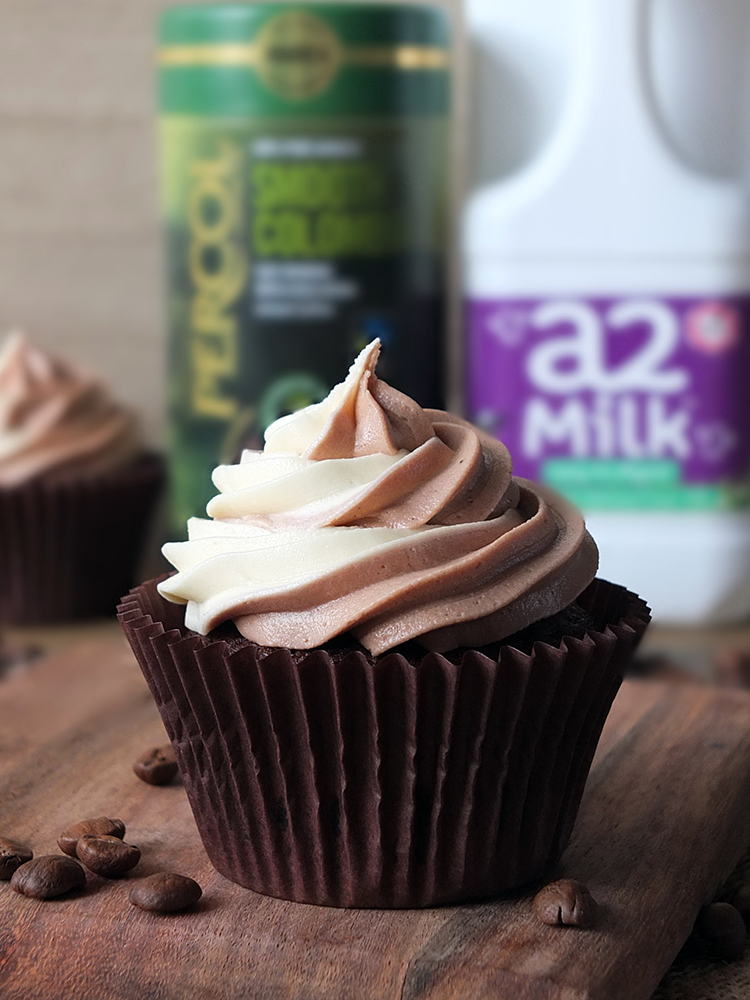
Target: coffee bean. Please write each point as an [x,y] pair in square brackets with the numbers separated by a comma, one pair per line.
[157,766]
[102,826]
[47,876]
[723,926]
[165,892]
[12,856]
[565,902]
[741,900]
[731,667]
[107,856]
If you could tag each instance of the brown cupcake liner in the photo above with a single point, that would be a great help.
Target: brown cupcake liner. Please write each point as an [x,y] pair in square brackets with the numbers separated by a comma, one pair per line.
[69,549]
[388,784]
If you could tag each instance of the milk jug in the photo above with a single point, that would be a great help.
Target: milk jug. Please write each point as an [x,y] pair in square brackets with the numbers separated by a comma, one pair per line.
[607,274]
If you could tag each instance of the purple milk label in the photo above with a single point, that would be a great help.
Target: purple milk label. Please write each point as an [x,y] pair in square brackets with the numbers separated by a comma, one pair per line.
[630,401]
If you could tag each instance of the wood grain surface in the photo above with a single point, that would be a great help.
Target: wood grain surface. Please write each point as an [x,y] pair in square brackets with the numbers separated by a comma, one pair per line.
[664,819]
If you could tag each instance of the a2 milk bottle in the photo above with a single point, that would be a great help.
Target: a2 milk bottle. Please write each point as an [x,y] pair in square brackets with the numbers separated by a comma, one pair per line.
[608,285]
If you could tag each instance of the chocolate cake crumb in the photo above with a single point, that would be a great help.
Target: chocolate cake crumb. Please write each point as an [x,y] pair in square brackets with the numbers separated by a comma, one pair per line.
[573,621]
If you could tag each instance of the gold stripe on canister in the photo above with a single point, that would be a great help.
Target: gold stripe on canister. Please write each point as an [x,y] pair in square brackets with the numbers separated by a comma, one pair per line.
[405,57]
[397,57]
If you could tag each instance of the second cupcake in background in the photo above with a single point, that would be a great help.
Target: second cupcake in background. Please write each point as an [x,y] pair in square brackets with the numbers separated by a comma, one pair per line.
[77,489]
[385,664]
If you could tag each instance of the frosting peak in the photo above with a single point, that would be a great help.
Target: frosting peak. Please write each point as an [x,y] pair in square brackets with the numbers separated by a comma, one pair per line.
[56,420]
[361,416]
[365,513]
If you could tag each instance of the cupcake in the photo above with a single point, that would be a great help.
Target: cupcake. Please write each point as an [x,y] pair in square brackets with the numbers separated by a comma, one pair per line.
[384,662]
[76,490]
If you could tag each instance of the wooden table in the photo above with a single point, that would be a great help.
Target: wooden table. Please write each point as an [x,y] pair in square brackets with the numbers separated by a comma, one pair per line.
[663,822]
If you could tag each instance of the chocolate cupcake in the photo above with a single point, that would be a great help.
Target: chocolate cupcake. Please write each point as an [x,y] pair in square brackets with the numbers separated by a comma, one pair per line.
[393,662]
[77,489]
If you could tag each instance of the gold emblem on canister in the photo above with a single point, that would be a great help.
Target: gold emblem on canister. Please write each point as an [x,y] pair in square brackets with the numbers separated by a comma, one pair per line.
[298,55]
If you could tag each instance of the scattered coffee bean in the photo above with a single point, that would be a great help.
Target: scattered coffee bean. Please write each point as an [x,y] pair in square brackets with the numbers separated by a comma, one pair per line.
[565,902]
[12,856]
[723,926]
[731,667]
[107,856]
[157,766]
[102,826]
[165,892]
[48,876]
[741,901]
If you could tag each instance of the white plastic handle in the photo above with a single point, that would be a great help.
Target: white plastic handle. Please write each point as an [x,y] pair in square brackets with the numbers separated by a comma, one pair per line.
[610,73]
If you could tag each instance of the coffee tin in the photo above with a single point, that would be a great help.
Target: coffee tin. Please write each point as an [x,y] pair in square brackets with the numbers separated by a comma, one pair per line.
[303,182]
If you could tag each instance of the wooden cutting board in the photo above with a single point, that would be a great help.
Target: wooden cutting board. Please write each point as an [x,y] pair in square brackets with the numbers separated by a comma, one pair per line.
[664,819]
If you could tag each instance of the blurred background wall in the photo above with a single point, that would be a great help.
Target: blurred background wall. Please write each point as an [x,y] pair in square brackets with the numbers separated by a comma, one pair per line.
[80,244]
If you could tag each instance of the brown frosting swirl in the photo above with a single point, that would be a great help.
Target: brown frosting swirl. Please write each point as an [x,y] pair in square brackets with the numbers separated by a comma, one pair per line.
[367,514]
[56,421]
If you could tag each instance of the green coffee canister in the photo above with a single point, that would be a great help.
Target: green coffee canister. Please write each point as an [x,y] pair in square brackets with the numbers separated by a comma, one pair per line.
[303,155]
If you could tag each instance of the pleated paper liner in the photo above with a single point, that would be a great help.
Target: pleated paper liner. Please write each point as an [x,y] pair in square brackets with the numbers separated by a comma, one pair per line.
[70,549]
[338,781]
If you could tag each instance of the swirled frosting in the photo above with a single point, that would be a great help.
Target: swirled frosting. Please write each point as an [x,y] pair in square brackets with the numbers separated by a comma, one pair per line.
[366,514]
[56,421]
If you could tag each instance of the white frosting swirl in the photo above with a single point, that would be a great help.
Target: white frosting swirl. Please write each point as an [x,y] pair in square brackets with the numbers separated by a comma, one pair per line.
[365,513]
